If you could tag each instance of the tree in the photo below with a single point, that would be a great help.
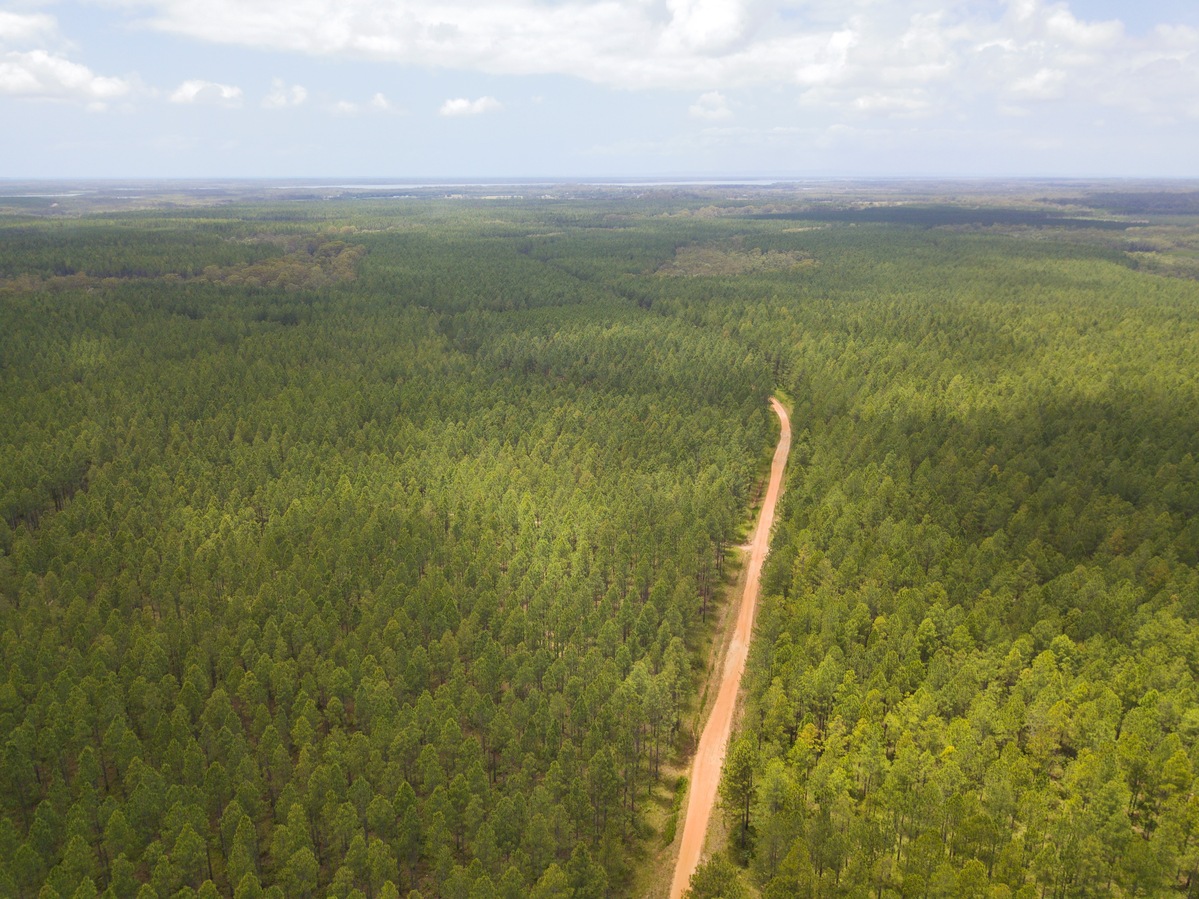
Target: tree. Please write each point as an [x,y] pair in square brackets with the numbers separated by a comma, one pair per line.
[78,865]
[190,855]
[737,786]
[243,853]
[123,880]
[381,865]
[717,878]
[298,876]
[248,887]
[586,877]
[553,884]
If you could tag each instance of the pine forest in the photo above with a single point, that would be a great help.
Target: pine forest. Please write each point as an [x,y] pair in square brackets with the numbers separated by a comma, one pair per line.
[365,546]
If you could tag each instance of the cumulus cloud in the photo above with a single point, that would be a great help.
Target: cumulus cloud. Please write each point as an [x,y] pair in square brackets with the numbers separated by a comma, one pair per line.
[711,105]
[1061,24]
[461,106]
[706,26]
[197,90]
[283,96]
[376,104]
[29,70]
[23,28]
[1044,84]
[38,74]
[896,102]
[891,58]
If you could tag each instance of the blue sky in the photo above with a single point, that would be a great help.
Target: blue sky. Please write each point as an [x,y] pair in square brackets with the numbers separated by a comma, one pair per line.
[588,88]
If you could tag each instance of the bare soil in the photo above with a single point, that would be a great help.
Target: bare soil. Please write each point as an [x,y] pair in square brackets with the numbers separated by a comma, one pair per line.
[713,742]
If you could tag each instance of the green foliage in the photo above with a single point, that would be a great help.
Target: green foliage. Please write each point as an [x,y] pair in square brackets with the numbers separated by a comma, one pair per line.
[737,786]
[354,585]
[974,672]
[364,551]
[717,878]
[672,821]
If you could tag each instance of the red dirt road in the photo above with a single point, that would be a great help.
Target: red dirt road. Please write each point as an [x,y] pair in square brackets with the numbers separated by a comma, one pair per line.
[705,771]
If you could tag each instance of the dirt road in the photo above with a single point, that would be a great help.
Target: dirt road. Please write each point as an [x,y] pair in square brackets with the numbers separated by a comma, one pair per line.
[705,771]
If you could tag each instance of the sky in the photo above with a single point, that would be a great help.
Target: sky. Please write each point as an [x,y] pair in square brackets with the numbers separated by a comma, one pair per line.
[565,89]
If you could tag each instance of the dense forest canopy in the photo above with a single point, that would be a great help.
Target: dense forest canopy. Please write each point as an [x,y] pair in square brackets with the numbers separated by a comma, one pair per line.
[361,547]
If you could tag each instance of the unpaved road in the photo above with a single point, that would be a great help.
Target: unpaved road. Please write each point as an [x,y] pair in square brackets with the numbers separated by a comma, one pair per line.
[705,771]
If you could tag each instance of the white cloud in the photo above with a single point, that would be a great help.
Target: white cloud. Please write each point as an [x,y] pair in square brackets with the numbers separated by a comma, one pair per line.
[711,105]
[38,74]
[1044,84]
[28,70]
[632,44]
[892,102]
[460,106]
[196,90]
[828,62]
[282,96]
[1061,24]
[24,28]
[377,103]
[706,26]
[935,56]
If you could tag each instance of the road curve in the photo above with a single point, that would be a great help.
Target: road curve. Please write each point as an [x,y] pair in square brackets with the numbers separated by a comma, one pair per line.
[705,771]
